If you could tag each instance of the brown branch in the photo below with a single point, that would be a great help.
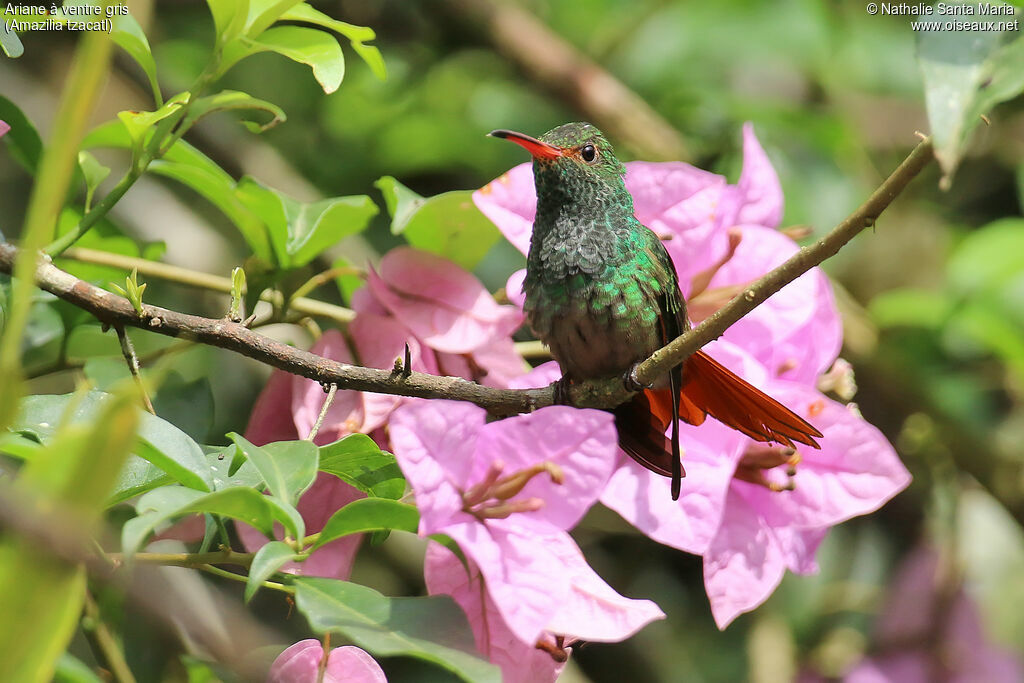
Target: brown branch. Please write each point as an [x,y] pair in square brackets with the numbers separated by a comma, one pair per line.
[556,64]
[116,311]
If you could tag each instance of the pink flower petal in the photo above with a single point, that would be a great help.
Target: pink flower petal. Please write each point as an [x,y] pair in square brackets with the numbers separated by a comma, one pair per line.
[435,443]
[541,376]
[300,664]
[798,324]
[855,472]
[494,364]
[644,499]
[510,202]
[520,662]
[581,442]
[757,196]
[4,127]
[514,288]
[710,453]
[345,415]
[271,420]
[540,582]
[442,304]
[744,563]
[594,611]
[680,202]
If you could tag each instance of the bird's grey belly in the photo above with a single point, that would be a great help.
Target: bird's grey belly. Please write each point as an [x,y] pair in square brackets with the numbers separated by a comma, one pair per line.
[587,347]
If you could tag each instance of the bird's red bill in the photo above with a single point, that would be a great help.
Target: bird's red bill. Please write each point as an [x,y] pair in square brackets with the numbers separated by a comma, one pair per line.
[539,150]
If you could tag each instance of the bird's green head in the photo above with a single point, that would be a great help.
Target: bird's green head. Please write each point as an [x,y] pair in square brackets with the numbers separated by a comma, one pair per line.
[574,160]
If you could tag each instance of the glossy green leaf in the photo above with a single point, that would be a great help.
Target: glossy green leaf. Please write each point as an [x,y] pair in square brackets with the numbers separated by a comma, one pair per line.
[263,13]
[240,503]
[235,100]
[357,35]
[316,226]
[228,17]
[19,446]
[127,33]
[224,196]
[268,560]
[447,224]
[308,46]
[10,43]
[138,123]
[966,73]
[288,467]
[359,461]
[432,628]
[159,442]
[369,514]
[22,140]
[94,173]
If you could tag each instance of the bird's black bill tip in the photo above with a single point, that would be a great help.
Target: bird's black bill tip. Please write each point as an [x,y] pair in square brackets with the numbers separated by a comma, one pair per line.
[500,133]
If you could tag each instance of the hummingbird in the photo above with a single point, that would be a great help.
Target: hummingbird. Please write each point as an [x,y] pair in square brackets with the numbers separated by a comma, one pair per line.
[602,293]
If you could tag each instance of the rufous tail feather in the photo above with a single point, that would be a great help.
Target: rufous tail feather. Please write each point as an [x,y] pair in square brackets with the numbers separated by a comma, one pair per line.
[708,388]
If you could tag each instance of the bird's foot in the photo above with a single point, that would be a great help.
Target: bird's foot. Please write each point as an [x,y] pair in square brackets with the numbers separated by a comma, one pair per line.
[630,380]
[562,386]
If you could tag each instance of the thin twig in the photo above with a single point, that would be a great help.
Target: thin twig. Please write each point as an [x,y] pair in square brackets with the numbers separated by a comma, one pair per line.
[605,393]
[128,351]
[323,412]
[104,642]
[223,573]
[550,60]
[195,278]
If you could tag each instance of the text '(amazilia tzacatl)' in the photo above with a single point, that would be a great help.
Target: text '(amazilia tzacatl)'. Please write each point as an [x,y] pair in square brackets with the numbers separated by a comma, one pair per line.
[603,294]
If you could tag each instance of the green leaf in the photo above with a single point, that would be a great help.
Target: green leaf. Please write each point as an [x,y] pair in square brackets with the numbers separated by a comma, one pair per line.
[447,224]
[359,461]
[308,46]
[19,446]
[266,205]
[966,73]
[369,514]
[299,232]
[224,195]
[263,13]
[316,226]
[127,33]
[268,560]
[22,140]
[240,503]
[10,43]
[288,467]
[433,628]
[94,173]
[137,123]
[357,35]
[188,405]
[233,99]
[159,442]
[228,18]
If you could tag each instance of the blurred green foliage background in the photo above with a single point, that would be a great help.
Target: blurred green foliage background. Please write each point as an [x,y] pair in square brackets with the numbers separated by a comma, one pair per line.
[932,298]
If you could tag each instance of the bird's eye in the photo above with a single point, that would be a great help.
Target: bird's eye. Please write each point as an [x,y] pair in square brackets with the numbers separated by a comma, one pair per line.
[588,153]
